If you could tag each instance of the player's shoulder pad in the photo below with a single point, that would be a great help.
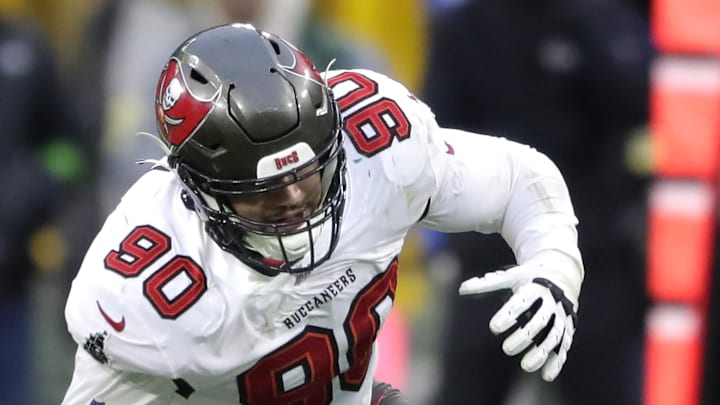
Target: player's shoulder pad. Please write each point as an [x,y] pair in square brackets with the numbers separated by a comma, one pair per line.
[148,228]
[385,121]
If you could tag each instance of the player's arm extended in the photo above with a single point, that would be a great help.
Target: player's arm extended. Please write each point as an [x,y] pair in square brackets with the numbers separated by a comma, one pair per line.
[492,185]
[489,184]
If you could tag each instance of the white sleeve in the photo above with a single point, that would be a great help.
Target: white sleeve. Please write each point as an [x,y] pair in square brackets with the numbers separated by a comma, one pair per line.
[92,383]
[136,347]
[493,185]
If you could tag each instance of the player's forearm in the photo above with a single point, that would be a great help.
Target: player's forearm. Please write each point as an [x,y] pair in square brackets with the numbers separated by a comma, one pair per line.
[489,184]
[540,223]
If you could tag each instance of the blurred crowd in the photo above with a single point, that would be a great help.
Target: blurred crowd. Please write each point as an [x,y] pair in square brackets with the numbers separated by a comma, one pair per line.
[567,76]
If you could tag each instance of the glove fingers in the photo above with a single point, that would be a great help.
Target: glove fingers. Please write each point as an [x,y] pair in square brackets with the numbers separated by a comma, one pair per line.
[553,366]
[534,359]
[556,360]
[568,335]
[559,327]
[539,354]
[490,282]
[520,302]
[525,335]
[539,318]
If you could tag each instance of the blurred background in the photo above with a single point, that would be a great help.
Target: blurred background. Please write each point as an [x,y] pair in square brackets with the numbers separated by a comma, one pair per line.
[624,95]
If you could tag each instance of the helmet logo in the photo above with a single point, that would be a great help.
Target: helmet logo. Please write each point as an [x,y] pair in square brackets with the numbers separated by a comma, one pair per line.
[172,93]
[283,161]
[300,64]
[178,111]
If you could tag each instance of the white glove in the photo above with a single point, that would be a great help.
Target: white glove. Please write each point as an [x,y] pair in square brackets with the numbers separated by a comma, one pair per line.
[544,311]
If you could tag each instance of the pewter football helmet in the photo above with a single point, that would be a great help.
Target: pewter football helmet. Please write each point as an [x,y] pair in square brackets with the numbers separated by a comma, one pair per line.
[241,110]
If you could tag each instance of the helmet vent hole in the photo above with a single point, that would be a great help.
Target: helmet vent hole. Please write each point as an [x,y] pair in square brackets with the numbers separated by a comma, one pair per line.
[275,46]
[194,74]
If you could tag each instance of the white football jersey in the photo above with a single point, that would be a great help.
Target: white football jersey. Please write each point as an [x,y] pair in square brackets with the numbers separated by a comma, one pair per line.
[163,315]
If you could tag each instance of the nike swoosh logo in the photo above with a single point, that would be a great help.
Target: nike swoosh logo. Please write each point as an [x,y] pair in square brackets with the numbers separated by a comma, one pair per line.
[118,326]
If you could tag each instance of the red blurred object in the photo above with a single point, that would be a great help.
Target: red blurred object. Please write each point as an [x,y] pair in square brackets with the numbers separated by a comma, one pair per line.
[685,116]
[686,26]
[680,234]
[673,356]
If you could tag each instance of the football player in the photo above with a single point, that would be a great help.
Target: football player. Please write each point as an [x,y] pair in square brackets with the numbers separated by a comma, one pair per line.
[256,262]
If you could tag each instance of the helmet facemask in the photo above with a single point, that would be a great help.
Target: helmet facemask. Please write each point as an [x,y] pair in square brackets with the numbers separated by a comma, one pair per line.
[293,247]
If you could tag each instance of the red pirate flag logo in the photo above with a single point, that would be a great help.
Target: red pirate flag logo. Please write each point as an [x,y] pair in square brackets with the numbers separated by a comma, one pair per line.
[179,111]
[300,64]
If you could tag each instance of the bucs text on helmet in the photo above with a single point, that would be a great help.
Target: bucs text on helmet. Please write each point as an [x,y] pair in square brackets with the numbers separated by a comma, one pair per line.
[241,112]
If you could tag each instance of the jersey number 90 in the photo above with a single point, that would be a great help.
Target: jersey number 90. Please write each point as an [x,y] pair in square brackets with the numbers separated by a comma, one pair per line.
[312,354]
[373,127]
